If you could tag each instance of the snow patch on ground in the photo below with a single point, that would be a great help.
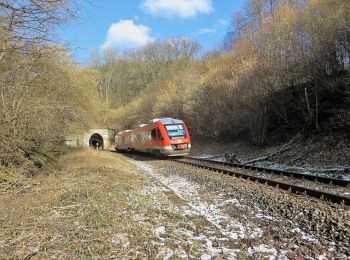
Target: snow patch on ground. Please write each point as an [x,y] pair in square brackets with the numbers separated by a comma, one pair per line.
[213,212]
[337,171]
[262,250]
[169,254]
[121,240]
[304,235]
[151,189]
[229,229]
[160,231]
[213,244]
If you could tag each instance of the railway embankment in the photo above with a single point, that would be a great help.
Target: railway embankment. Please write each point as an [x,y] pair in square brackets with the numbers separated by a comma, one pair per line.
[322,154]
[101,204]
[286,224]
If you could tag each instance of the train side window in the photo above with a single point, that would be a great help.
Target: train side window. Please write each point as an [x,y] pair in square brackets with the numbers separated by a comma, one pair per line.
[159,134]
[154,134]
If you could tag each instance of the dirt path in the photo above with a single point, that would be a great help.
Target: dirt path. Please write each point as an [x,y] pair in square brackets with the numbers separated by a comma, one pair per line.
[107,205]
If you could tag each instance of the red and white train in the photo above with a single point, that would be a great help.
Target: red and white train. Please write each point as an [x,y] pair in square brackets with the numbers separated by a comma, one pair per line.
[165,136]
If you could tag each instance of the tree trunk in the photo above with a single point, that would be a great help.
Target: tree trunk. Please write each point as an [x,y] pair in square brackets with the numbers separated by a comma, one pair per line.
[307,101]
[317,126]
[258,125]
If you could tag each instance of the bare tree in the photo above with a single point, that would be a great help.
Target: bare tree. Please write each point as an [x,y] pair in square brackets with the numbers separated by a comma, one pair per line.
[41,91]
[26,23]
[184,48]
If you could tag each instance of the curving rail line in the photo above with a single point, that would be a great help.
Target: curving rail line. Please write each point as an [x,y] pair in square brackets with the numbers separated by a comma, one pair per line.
[316,193]
[310,177]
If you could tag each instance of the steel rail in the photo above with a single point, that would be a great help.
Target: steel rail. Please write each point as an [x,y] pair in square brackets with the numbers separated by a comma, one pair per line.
[310,177]
[327,196]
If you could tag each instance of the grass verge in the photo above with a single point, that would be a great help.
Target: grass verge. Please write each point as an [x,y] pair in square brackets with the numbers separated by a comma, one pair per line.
[83,209]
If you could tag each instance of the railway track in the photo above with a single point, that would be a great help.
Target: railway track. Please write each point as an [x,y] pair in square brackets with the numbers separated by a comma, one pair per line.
[310,177]
[281,179]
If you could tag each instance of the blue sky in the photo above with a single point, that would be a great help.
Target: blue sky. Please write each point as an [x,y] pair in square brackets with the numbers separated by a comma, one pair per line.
[131,24]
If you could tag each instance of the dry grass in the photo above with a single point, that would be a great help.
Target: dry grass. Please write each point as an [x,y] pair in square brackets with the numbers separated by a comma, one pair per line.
[94,206]
[82,210]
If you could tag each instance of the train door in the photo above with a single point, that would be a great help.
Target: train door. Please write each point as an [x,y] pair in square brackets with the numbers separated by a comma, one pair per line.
[159,136]
[153,142]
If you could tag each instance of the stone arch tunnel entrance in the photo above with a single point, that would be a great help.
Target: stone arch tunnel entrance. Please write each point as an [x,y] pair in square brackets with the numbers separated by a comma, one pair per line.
[90,138]
[96,141]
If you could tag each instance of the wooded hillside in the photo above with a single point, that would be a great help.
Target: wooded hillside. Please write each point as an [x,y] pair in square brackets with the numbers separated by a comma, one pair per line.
[283,65]
[42,92]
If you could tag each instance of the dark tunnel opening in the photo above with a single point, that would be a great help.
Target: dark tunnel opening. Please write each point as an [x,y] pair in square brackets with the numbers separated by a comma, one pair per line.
[96,141]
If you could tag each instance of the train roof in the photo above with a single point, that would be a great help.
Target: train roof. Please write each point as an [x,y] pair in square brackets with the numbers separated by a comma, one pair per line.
[167,121]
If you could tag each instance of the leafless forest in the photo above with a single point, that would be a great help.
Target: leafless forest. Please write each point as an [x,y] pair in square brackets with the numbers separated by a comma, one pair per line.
[43,93]
[283,66]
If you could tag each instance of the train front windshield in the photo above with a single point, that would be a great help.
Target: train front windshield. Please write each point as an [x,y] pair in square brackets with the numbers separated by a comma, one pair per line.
[176,131]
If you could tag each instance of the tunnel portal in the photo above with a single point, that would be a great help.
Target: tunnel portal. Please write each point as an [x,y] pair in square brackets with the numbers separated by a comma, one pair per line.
[90,138]
[96,141]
